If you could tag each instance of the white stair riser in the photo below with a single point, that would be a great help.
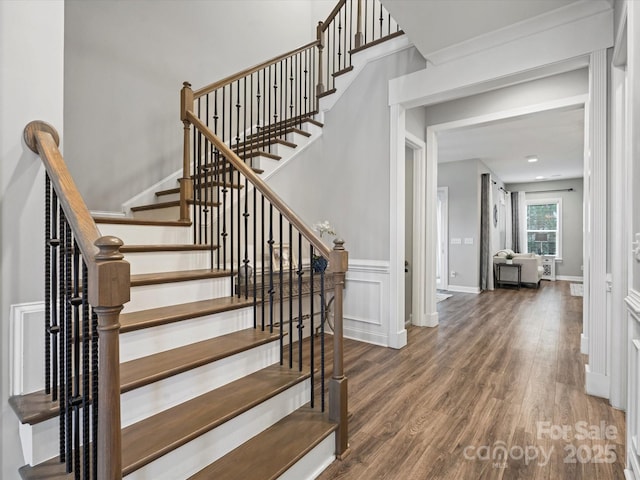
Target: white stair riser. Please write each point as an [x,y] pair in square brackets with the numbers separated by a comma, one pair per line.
[148,234]
[154,262]
[313,463]
[140,343]
[156,397]
[162,295]
[40,441]
[197,454]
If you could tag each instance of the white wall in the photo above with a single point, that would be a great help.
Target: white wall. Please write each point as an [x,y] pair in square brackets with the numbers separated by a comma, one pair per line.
[546,89]
[572,232]
[31,87]
[124,66]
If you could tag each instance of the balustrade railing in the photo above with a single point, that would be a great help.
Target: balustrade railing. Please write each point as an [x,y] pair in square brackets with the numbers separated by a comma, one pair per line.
[274,256]
[86,285]
[351,26]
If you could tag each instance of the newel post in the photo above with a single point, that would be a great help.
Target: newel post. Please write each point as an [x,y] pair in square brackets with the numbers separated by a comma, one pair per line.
[186,183]
[109,290]
[339,264]
[359,39]
[320,37]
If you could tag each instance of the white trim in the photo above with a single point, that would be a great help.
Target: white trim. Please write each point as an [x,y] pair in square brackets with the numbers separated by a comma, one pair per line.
[584,344]
[519,30]
[424,313]
[397,332]
[515,62]
[596,384]
[596,223]
[570,278]
[547,201]
[18,347]
[373,266]
[628,475]
[444,267]
[632,301]
[463,289]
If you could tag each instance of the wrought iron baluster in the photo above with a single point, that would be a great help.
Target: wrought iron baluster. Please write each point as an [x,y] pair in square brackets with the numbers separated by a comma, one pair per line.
[62,401]
[281,275]
[291,298]
[323,314]
[68,339]
[47,284]
[86,403]
[94,395]
[312,350]
[76,395]
[300,325]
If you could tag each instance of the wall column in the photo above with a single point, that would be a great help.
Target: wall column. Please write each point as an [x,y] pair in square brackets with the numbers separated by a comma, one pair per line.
[597,370]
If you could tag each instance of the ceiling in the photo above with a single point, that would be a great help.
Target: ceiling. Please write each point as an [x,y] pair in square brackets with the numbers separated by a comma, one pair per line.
[556,137]
[436,24]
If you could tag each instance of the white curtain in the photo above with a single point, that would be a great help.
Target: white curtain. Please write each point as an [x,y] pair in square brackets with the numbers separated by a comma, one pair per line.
[522,220]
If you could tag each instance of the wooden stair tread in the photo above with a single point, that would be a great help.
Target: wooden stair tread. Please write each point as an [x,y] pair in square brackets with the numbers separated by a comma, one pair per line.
[37,407]
[175,313]
[179,276]
[173,203]
[254,144]
[143,371]
[167,248]
[137,221]
[207,184]
[257,459]
[326,93]
[223,169]
[151,438]
[343,71]
[260,153]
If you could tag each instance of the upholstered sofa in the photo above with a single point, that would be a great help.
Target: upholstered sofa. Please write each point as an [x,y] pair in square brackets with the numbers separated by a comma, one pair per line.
[532,270]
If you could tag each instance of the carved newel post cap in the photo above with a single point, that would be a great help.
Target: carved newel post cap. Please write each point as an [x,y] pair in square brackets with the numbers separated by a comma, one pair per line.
[186,84]
[29,133]
[338,244]
[109,248]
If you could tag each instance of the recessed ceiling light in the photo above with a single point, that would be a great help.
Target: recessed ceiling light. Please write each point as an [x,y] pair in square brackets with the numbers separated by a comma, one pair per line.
[532,158]
[539,177]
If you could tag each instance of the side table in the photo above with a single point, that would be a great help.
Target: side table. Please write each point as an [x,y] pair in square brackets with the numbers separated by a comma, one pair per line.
[508,274]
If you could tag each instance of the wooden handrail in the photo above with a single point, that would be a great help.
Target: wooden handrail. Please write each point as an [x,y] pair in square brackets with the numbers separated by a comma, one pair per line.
[42,138]
[237,76]
[108,286]
[333,14]
[260,185]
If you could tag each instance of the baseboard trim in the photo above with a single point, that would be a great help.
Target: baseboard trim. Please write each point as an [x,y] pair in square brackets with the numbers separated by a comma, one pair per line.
[428,320]
[463,289]
[628,475]
[596,384]
[367,337]
[569,278]
[584,344]
[20,360]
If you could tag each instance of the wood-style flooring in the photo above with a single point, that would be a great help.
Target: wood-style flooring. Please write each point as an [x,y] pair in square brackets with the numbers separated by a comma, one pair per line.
[483,382]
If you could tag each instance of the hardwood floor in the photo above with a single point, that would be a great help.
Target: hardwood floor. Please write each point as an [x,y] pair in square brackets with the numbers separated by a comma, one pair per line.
[503,369]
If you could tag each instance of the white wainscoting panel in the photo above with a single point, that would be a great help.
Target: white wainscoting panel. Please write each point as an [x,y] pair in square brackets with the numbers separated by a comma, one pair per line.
[366,314]
[632,302]
[26,328]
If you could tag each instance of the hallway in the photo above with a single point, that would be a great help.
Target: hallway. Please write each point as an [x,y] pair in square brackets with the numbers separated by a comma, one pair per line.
[502,371]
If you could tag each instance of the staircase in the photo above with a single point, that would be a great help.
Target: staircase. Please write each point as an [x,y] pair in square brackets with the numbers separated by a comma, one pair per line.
[188,340]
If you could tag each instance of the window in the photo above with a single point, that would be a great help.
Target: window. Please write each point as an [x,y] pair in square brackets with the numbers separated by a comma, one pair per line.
[544,227]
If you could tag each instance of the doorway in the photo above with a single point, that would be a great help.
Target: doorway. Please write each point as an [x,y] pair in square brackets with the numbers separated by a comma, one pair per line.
[442,250]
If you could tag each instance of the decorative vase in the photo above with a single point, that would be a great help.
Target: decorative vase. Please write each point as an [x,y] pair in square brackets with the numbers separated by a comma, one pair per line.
[319,264]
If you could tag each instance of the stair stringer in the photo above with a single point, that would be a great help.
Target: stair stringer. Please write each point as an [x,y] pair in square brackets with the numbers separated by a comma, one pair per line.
[269,166]
[359,61]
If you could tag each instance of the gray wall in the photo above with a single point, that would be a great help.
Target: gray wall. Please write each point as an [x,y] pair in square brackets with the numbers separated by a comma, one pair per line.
[572,231]
[31,44]
[344,176]
[463,180]
[124,66]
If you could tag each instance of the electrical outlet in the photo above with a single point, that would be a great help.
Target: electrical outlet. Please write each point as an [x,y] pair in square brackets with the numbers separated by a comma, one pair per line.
[453,274]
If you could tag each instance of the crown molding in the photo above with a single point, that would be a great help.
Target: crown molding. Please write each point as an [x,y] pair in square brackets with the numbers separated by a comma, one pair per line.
[564,15]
